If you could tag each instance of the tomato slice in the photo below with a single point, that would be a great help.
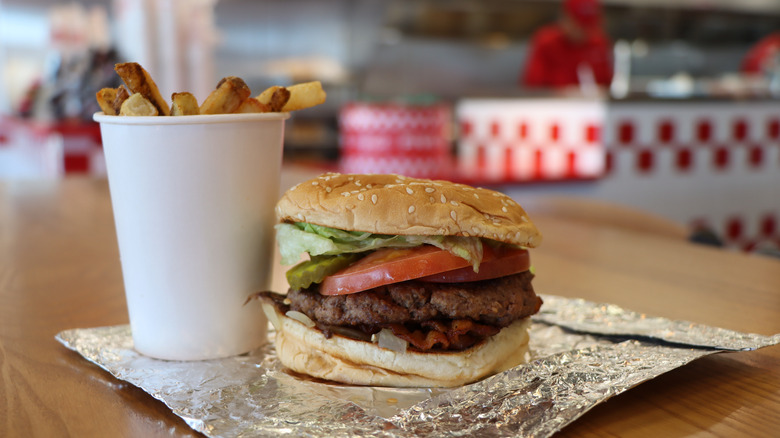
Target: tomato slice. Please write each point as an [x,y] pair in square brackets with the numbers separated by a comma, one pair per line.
[426,263]
[390,265]
[497,263]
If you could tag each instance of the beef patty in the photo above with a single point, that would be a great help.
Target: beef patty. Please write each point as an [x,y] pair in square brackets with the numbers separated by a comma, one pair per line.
[497,302]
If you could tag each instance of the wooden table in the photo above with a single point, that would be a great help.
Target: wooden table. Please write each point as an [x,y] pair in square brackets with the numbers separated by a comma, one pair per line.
[59,269]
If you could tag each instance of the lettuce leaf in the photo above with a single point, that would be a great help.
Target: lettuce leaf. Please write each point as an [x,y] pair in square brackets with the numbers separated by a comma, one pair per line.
[298,238]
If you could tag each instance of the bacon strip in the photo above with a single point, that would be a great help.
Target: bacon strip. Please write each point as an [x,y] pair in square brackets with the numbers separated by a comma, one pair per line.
[444,335]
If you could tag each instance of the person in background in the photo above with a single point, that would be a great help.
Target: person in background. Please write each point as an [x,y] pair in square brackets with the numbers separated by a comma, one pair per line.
[572,54]
[763,58]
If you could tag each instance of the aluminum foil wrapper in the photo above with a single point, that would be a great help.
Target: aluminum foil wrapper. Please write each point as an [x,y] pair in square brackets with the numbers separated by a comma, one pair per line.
[582,353]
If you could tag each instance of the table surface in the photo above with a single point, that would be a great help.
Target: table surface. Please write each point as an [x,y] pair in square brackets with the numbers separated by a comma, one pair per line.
[59,269]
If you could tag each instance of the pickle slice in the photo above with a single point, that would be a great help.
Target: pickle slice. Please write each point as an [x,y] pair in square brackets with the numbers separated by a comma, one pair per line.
[304,274]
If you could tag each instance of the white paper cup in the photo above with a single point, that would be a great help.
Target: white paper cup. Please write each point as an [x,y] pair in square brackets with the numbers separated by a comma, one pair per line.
[193,200]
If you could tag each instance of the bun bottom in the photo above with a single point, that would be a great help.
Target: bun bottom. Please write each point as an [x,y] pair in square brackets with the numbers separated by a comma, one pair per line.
[306,350]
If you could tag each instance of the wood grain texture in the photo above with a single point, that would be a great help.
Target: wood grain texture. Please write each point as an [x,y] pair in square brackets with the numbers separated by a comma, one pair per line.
[59,269]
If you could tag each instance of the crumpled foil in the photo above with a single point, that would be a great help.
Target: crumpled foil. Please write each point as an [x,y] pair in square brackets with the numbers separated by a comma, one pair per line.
[581,353]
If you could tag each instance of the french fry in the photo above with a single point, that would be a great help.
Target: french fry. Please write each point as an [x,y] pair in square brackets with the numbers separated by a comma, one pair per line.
[279,99]
[141,97]
[267,94]
[252,105]
[121,97]
[305,95]
[138,80]
[105,98]
[227,97]
[138,105]
[184,104]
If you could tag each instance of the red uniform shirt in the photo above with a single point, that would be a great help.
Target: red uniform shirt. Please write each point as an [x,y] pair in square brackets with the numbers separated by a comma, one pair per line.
[759,57]
[553,59]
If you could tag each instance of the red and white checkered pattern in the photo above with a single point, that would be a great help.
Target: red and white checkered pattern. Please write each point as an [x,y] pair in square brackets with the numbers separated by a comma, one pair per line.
[504,140]
[716,164]
[747,232]
[724,137]
[412,140]
[710,162]
[52,149]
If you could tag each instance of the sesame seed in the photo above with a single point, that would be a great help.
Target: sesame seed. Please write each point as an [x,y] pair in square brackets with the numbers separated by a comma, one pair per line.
[476,195]
[411,209]
[315,183]
[524,218]
[361,197]
[487,216]
[429,190]
[455,203]
[355,191]
[299,216]
[368,186]
[504,209]
[443,199]
[357,183]
[351,178]
[373,199]
[466,233]
[453,215]
[328,189]
[409,191]
[344,193]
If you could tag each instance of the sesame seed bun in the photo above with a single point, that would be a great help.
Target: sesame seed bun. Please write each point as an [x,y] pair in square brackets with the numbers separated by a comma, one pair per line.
[394,204]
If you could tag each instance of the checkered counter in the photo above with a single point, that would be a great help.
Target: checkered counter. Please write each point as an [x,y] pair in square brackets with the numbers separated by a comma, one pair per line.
[709,163]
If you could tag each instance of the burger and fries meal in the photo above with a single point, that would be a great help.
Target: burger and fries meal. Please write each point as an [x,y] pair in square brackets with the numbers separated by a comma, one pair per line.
[404,281]
[409,282]
[139,96]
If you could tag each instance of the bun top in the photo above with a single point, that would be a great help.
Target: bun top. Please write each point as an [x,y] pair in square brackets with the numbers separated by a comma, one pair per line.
[395,204]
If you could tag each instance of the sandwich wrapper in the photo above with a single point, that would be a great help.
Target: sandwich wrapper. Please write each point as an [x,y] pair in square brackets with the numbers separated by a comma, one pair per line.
[582,353]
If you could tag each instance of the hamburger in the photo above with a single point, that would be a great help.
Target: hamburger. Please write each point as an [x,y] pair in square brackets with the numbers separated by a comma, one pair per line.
[408,282]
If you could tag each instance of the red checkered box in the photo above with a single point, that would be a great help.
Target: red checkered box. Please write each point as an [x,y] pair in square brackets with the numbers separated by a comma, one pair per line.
[412,140]
[516,140]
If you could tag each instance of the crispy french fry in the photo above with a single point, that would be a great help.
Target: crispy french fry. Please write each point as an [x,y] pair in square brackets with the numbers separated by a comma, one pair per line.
[227,97]
[121,97]
[184,104]
[138,105]
[279,99]
[138,80]
[252,105]
[105,98]
[265,96]
[276,97]
[305,95]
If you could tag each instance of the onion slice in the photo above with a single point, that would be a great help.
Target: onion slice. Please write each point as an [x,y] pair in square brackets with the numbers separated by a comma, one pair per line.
[270,313]
[300,317]
[386,339]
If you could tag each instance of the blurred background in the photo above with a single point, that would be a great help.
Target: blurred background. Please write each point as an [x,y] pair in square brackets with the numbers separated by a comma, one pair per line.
[666,105]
